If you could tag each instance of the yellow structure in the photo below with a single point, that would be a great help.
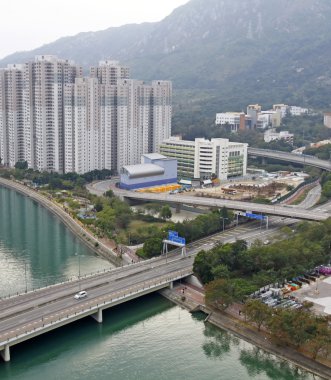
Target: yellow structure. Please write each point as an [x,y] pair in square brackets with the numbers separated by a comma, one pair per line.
[160,189]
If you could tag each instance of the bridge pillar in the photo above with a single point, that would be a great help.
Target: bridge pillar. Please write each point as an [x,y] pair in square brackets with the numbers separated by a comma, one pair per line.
[171,285]
[178,208]
[97,316]
[5,353]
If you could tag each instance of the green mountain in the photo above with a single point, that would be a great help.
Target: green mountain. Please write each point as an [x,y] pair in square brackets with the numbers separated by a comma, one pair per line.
[220,54]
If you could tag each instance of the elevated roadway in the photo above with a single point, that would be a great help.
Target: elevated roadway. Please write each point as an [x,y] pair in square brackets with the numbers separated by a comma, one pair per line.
[284,211]
[291,157]
[29,315]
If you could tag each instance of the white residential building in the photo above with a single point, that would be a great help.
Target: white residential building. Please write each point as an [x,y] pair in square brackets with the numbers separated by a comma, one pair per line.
[59,121]
[202,158]
[48,78]
[31,120]
[12,132]
[281,108]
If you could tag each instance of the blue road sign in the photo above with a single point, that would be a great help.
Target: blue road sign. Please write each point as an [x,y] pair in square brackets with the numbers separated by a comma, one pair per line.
[178,240]
[255,216]
[173,236]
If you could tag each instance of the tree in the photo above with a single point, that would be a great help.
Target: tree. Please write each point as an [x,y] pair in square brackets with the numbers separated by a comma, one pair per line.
[202,267]
[23,165]
[152,247]
[221,271]
[220,293]
[165,212]
[321,343]
[257,312]
[98,206]
[109,194]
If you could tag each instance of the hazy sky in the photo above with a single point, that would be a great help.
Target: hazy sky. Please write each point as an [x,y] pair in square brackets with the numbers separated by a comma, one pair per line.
[28,24]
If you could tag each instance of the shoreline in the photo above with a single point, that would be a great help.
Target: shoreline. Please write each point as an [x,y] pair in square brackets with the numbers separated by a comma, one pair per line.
[82,234]
[248,334]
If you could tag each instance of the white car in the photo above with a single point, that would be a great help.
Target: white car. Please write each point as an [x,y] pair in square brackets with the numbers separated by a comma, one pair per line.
[80,294]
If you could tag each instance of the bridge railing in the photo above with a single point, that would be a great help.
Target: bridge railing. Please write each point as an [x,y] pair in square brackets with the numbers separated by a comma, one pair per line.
[75,279]
[89,307]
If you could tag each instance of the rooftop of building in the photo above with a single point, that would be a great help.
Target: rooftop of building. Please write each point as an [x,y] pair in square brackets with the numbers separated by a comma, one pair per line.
[143,170]
[155,156]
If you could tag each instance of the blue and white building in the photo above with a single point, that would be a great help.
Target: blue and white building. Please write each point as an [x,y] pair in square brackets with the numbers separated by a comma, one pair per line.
[154,170]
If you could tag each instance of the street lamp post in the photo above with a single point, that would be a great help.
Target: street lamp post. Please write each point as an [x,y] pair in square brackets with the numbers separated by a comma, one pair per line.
[223,221]
[79,285]
[26,281]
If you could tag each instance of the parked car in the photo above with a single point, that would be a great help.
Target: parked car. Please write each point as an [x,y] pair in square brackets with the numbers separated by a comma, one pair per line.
[80,295]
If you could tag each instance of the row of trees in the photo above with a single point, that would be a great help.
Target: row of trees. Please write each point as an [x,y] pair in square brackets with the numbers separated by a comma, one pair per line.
[263,264]
[232,272]
[299,328]
[55,181]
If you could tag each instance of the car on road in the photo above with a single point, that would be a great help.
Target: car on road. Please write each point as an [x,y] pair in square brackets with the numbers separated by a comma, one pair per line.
[80,295]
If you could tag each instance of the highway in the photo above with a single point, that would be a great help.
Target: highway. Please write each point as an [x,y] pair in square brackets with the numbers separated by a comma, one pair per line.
[291,157]
[28,315]
[284,211]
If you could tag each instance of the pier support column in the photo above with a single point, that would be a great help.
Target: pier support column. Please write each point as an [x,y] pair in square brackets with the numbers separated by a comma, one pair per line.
[5,353]
[98,316]
[171,285]
[178,208]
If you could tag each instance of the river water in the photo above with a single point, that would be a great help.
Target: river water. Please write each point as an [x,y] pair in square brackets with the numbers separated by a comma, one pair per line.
[145,339]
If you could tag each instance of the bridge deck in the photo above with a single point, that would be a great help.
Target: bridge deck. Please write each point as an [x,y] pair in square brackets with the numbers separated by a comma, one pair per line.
[28,315]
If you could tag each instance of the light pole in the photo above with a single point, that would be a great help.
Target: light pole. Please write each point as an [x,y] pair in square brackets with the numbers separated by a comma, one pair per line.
[26,281]
[223,221]
[77,254]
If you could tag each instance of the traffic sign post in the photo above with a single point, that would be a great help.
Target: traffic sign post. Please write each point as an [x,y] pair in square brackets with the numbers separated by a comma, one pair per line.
[174,239]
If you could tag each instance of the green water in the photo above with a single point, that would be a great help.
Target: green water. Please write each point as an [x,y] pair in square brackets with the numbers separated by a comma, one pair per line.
[146,339]
[36,249]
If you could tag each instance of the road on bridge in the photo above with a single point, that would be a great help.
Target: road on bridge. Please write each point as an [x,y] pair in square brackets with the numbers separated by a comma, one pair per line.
[285,211]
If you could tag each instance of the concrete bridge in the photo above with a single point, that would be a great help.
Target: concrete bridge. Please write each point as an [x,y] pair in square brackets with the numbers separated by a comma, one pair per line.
[291,157]
[284,211]
[34,313]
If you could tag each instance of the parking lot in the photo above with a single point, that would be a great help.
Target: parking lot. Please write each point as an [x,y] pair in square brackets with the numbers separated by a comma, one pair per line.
[319,293]
[312,286]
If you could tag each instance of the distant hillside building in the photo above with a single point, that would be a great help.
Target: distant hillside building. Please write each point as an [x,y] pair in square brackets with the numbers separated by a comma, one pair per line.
[271,135]
[327,119]
[204,158]
[234,121]
[298,111]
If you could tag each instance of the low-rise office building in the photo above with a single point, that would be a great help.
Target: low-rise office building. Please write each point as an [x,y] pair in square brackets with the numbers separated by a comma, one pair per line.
[207,158]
